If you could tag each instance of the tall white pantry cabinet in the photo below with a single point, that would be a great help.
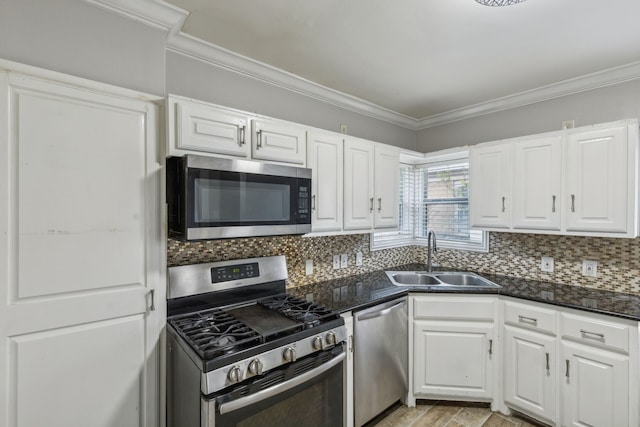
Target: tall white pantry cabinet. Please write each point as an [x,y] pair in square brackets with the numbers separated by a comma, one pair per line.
[81,253]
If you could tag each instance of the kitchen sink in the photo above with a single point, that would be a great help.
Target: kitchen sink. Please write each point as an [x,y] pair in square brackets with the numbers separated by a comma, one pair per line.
[435,280]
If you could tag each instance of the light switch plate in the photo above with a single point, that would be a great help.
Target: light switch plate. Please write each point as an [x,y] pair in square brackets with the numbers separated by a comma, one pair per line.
[336,262]
[547,264]
[308,267]
[344,260]
[358,258]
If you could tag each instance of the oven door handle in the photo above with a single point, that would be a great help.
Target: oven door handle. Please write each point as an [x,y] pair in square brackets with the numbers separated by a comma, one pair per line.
[234,405]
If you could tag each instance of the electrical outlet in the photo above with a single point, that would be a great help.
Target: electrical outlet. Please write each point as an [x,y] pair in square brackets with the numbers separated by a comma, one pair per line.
[547,264]
[589,268]
[344,260]
[308,267]
[568,124]
[309,297]
[358,258]
[343,129]
[336,262]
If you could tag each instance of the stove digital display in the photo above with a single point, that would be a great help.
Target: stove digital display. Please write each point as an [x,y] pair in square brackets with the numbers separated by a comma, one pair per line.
[234,272]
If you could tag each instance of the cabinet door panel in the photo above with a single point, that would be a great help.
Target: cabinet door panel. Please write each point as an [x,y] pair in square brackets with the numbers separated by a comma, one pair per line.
[387,176]
[358,184]
[325,159]
[537,184]
[211,130]
[279,141]
[529,371]
[453,359]
[596,390]
[596,174]
[489,186]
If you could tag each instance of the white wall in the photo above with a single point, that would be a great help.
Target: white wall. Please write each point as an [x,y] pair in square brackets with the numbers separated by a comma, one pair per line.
[196,79]
[606,104]
[74,37]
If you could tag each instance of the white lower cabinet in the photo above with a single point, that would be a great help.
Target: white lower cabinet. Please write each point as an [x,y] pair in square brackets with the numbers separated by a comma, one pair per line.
[453,347]
[561,366]
[529,372]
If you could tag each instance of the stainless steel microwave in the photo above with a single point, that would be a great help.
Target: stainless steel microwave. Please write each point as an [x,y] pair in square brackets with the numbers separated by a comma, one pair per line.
[214,198]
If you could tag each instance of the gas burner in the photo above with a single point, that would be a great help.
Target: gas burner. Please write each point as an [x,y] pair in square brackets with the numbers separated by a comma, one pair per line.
[306,312]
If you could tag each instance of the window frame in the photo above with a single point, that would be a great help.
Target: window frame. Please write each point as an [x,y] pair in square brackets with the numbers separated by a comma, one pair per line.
[398,238]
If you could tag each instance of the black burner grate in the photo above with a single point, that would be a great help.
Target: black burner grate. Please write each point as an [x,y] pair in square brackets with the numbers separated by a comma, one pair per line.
[212,333]
[303,311]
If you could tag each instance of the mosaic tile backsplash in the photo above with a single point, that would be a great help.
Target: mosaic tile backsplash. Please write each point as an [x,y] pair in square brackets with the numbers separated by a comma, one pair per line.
[510,254]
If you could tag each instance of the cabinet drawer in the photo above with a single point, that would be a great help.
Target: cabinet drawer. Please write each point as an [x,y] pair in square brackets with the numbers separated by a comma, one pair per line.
[454,308]
[595,331]
[530,316]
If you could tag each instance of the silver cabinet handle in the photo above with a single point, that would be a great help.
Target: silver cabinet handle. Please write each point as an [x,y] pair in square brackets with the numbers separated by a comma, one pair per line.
[379,204]
[371,204]
[259,141]
[547,355]
[595,334]
[503,207]
[490,347]
[152,294]
[527,319]
[261,395]
[242,135]
[567,373]
[313,202]
[573,203]
[553,203]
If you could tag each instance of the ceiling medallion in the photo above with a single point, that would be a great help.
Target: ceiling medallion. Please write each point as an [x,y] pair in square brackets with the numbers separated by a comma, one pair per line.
[499,2]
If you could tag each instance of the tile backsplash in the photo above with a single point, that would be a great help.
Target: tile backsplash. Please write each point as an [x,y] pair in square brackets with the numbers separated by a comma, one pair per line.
[509,254]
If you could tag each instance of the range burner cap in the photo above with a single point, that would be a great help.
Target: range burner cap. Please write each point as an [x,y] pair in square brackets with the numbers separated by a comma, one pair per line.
[310,319]
[223,341]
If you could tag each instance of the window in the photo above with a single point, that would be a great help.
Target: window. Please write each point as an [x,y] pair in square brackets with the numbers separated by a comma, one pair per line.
[434,196]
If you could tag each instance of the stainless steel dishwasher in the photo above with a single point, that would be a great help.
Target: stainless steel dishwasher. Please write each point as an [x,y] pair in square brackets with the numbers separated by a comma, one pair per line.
[380,358]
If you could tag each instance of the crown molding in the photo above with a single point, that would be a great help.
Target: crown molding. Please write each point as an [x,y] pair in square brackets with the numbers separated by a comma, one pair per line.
[599,79]
[170,18]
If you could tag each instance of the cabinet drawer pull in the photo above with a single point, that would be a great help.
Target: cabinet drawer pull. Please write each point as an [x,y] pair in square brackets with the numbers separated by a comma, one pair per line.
[379,204]
[490,347]
[313,202]
[152,294]
[567,373]
[241,137]
[595,334]
[371,204]
[528,319]
[547,356]
[553,203]
[573,203]
[503,207]
[259,141]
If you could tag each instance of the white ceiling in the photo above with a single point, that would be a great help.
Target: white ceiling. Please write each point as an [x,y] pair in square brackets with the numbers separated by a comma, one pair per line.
[421,58]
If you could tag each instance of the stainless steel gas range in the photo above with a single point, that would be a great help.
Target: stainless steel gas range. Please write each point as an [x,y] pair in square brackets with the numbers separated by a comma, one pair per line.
[241,352]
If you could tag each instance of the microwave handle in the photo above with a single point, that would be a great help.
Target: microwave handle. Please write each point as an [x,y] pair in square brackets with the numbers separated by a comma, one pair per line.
[252,399]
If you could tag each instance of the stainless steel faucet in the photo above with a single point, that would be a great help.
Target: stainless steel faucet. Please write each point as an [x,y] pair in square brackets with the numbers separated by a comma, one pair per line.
[435,248]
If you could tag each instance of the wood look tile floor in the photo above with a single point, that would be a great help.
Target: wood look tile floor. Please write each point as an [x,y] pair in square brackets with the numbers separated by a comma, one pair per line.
[429,413]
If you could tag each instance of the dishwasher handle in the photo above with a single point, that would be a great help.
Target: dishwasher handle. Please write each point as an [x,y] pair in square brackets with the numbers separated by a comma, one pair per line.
[383,312]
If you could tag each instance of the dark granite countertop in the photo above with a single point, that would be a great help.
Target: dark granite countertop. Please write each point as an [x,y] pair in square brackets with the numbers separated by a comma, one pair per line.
[365,290]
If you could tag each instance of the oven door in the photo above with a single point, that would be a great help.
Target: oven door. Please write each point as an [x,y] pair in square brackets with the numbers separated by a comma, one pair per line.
[306,393]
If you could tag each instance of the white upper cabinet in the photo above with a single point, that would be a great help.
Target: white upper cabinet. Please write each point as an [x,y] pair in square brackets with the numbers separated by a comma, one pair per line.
[598,180]
[206,129]
[489,183]
[358,184]
[537,183]
[279,141]
[325,159]
[581,181]
[387,177]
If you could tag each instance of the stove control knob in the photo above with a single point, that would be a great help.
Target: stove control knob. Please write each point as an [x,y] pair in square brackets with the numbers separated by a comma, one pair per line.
[235,375]
[289,354]
[317,343]
[255,367]
[331,338]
